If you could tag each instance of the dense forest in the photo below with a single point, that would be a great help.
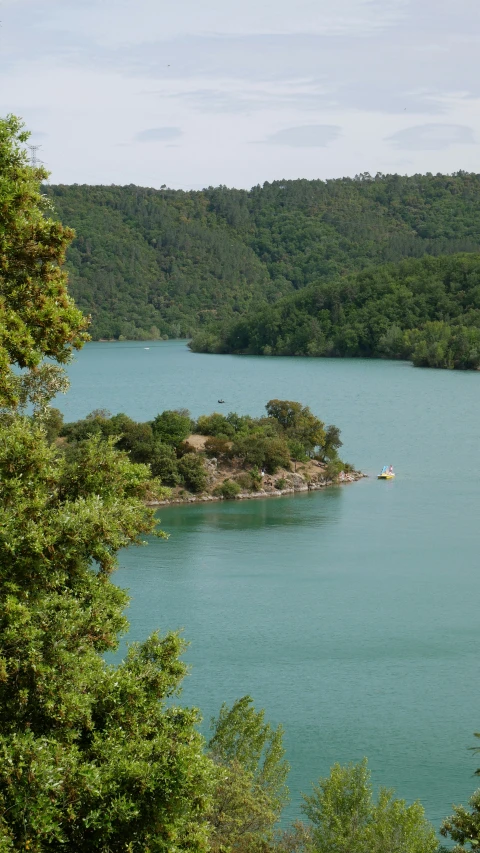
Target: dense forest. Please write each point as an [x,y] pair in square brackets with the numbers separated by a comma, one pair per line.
[166,263]
[427,310]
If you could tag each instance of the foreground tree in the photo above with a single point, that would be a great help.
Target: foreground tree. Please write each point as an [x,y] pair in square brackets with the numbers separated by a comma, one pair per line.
[92,756]
[345,818]
[251,771]
[463,826]
[37,316]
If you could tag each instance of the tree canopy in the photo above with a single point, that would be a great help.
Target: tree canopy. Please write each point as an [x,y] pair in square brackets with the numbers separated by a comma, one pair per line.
[37,316]
[427,310]
[152,263]
[92,756]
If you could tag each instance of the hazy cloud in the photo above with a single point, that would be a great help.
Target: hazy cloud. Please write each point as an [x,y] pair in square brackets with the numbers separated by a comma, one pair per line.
[431,137]
[254,98]
[399,77]
[305,136]
[158,134]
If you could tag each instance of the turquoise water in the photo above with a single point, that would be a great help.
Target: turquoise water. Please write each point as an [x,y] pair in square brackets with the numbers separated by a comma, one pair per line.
[350,615]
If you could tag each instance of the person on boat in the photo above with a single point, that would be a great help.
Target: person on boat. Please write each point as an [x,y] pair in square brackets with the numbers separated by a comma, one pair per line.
[390,470]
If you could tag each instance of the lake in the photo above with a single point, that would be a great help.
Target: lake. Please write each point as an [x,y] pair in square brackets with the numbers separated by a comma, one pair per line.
[350,615]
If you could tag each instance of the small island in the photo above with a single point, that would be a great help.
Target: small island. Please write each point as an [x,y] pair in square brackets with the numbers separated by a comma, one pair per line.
[224,457]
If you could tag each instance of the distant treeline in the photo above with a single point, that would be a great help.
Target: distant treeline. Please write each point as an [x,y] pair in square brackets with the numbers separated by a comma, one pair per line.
[164,263]
[426,310]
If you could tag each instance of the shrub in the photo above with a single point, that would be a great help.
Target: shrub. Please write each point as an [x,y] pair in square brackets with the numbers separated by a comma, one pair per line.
[193,472]
[184,448]
[276,454]
[53,424]
[281,483]
[256,479]
[163,464]
[215,424]
[172,427]
[217,447]
[229,490]
[333,468]
[138,440]
[244,480]
[250,449]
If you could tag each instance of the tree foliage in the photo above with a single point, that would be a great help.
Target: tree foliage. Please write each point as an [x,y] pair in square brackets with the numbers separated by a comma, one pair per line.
[427,310]
[164,263]
[37,316]
[251,787]
[92,756]
[463,826]
[172,427]
[345,817]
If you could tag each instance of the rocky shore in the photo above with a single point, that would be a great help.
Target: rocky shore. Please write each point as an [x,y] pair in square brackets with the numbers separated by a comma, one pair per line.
[309,477]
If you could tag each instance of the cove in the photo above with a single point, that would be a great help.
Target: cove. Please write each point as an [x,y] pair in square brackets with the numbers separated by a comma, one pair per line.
[351,614]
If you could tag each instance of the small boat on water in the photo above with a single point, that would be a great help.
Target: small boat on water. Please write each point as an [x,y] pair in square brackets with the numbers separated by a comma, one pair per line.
[387,473]
[220,401]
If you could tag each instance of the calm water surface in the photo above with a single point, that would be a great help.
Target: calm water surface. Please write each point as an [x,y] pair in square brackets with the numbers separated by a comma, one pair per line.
[350,615]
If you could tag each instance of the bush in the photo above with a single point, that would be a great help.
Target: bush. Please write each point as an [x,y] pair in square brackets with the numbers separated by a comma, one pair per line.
[138,440]
[244,480]
[229,490]
[276,454]
[250,481]
[216,424]
[172,427]
[256,479]
[333,469]
[250,449]
[53,424]
[193,472]
[281,483]
[184,448]
[163,464]
[217,447]
[268,453]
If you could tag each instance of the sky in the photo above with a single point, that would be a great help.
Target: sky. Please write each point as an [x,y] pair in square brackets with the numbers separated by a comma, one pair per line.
[196,93]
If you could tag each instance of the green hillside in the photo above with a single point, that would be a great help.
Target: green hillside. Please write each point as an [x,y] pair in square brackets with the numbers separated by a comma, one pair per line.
[168,263]
[425,309]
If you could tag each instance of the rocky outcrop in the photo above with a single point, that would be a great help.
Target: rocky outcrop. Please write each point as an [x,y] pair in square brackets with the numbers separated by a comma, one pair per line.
[294,482]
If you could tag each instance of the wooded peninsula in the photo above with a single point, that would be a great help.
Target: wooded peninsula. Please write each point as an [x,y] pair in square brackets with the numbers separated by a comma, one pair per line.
[219,456]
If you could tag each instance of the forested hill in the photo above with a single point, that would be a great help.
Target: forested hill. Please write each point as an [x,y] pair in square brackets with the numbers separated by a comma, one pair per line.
[167,263]
[426,310]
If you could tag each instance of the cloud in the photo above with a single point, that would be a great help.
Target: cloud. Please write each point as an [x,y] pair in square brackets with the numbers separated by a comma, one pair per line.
[432,137]
[158,134]
[253,98]
[305,136]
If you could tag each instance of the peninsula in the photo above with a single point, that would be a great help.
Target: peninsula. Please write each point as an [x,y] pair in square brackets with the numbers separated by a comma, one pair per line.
[222,457]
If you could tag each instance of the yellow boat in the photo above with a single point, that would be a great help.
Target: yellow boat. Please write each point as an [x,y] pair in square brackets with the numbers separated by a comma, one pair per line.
[386,473]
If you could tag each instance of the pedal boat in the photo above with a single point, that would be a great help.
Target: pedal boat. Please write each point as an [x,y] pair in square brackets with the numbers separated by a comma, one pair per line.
[386,476]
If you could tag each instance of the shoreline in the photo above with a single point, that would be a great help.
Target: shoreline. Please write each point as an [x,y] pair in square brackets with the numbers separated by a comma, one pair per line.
[352,477]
